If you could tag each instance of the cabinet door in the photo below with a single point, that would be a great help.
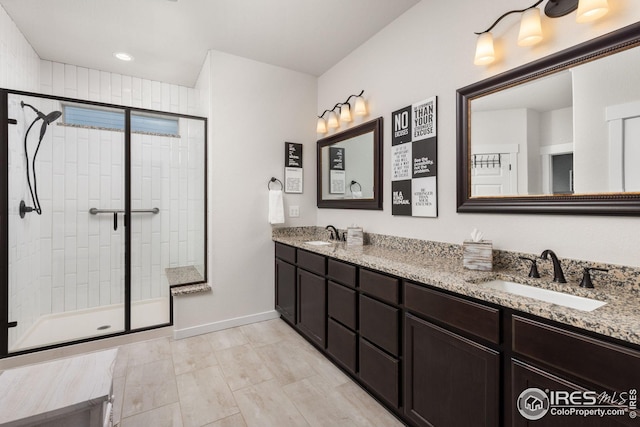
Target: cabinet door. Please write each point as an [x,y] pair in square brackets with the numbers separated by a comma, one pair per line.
[312,306]
[525,377]
[286,290]
[449,380]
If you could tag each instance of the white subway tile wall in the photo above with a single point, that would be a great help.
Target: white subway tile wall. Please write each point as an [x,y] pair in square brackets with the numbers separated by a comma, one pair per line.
[20,70]
[19,63]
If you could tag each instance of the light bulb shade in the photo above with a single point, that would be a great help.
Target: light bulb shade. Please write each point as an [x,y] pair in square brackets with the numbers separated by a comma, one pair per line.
[345,113]
[321,125]
[360,107]
[530,28]
[332,122]
[484,50]
[590,10]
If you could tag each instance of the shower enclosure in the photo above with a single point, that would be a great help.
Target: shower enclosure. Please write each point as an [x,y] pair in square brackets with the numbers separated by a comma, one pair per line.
[102,211]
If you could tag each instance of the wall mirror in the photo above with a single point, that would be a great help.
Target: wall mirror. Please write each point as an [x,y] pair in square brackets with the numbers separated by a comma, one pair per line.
[350,168]
[558,135]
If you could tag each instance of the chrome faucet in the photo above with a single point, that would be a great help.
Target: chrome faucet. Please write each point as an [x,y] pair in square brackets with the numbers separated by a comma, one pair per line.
[334,232]
[558,275]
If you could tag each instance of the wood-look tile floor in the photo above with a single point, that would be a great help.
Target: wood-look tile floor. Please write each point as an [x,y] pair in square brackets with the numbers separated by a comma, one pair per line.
[263,374]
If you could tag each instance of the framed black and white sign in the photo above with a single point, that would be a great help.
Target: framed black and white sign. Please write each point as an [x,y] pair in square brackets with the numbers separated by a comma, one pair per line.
[414,164]
[336,170]
[293,182]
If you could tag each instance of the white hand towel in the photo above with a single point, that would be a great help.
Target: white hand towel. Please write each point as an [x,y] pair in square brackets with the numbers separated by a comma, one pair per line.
[356,194]
[276,207]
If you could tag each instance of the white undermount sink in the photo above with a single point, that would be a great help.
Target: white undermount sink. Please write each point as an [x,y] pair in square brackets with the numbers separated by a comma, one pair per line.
[318,243]
[554,297]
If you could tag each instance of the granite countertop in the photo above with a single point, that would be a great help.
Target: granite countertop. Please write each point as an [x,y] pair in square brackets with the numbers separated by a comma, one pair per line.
[619,318]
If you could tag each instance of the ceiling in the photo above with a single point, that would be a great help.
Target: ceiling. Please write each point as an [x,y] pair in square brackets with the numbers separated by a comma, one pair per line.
[169,39]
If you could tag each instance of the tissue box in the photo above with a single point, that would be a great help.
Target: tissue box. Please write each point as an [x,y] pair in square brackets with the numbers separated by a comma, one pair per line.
[355,236]
[477,255]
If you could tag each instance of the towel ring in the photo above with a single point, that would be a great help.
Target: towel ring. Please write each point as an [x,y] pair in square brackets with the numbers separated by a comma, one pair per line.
[274,180]
[355,183]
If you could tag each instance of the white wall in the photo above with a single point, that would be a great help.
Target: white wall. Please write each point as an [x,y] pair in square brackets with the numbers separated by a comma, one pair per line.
[429,51]
[591,100]
[254,109]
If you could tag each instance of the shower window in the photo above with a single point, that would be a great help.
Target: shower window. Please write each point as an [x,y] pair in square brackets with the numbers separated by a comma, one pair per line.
[97,222]
[107,119]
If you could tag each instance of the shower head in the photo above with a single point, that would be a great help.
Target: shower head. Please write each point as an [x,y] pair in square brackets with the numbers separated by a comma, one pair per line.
[52,117]
[46,121]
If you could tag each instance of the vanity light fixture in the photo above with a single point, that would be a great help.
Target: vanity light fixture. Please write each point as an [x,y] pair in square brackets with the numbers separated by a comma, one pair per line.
[332,122]
[590,10]
[530,27]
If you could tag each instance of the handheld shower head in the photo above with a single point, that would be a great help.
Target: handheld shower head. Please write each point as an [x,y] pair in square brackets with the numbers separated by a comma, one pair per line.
[46,121]
[52,117]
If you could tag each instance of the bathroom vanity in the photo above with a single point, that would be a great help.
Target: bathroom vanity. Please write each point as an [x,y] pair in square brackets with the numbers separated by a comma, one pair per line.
[416,331]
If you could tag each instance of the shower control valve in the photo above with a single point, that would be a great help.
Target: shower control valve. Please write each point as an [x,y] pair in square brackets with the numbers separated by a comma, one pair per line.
[24,209]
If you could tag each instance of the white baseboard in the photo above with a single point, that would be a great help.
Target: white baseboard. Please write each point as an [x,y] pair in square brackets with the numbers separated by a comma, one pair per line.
[224,324]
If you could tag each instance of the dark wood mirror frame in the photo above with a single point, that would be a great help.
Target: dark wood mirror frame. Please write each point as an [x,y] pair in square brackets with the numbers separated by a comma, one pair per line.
[374,126]
[593,204]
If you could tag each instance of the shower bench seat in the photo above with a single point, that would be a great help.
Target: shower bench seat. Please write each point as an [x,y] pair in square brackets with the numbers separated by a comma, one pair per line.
[74,391]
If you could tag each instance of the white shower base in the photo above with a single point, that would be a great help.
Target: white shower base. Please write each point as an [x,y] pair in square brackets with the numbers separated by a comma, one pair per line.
[76,325]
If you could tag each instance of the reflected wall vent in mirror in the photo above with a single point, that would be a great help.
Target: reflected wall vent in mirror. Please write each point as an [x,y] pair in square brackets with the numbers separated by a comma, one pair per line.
[530,27]
[555,136]
[350,168]
[332,121]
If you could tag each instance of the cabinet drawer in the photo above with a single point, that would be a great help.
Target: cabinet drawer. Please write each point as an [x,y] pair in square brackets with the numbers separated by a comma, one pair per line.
[341,272]
[341,343]
[476,319]
[286,253]
[611,366]
[379,323]
[312,262]
[342,304]
[380,286]
[380,372]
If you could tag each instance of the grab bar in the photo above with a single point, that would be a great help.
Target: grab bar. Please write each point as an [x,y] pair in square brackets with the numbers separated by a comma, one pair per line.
[95,211]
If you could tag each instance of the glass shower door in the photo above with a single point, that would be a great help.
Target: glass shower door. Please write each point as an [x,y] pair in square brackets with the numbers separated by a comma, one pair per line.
[66,246]
[168,189]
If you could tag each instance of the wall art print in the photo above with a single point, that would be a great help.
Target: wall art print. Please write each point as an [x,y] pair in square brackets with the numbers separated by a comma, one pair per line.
[414,160]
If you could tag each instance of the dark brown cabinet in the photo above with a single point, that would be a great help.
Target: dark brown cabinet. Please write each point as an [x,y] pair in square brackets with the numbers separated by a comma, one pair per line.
[556,360]
[525,377]
[436,358]
[286,290]
[312,311]
[449,380]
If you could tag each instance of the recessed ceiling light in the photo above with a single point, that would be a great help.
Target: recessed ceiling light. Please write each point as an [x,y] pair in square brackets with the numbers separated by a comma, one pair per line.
[123,56]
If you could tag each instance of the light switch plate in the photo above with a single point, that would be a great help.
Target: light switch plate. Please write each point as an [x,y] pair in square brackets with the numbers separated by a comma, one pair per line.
[294,211]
